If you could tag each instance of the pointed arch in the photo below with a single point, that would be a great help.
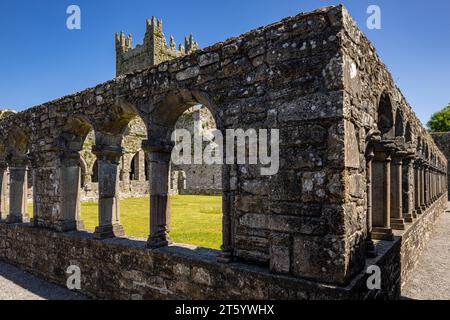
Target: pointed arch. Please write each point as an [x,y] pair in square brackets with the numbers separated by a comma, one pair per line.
[385,116]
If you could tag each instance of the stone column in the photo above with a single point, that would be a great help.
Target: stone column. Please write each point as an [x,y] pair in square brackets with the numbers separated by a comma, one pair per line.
[433,177]
[422,187]
[409,193]
[226,255]
[417,186]
[382,195]
[427,186]
[108,160]
[3,186]
[159,161]
[140,166]
[370,247]
[70,193]
[18,190]
[397,221]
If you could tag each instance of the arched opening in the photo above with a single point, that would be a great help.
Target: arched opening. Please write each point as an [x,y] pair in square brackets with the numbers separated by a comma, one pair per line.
[84,172]
[399,126]
[4,177]
[382,175]
[18,162]
[95,172]
[73,172]
[408,133]
[385,117]
[201,223]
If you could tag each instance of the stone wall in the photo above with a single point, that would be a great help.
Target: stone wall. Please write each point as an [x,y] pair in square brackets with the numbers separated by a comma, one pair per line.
[125,269]
[442,139]
[347,138]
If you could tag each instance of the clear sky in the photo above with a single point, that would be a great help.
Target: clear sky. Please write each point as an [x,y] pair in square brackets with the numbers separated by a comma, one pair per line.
[40,59]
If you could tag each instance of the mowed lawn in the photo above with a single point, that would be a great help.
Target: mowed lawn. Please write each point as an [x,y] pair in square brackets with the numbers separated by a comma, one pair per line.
[195,220]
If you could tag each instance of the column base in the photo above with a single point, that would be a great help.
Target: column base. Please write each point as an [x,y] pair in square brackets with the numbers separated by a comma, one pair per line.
[398,224]
[226,256]
[158,242]
[382,234]
[409,218]
[18,219]
[106,232]
[66,225]
[371,252]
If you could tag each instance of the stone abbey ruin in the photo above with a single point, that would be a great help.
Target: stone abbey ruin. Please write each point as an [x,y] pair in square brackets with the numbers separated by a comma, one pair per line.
[361,182]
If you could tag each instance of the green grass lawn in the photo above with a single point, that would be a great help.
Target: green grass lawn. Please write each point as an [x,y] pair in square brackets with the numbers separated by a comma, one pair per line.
[195,220]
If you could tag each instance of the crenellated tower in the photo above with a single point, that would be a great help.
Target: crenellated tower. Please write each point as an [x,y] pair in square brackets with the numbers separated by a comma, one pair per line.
[152,52]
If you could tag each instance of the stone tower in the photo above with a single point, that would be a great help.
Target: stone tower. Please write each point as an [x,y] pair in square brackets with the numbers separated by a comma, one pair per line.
[152,52]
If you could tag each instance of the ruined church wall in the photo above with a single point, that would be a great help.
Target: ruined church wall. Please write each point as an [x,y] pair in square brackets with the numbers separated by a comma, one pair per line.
[285,76]
[442,139]
[366,78]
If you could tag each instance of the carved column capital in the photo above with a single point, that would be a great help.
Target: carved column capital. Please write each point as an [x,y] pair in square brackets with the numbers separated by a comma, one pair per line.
[108,153]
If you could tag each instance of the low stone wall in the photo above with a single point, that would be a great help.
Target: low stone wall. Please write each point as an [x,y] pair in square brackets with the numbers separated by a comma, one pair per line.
[416,237]
[124,269]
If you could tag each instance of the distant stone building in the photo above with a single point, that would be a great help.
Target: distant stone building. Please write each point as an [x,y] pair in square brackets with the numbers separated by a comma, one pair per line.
[152,52]
[185,179]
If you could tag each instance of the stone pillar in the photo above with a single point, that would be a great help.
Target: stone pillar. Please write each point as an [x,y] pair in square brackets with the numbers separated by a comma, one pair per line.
[227,253]
[370,247]
[18,190]
[3,186]
[433,189]
[70,193]
[159,161]
[409,194]
[417,186]
[381,193]
[426,173]
[397,221]
[108,160]
[422,188]
[140,166]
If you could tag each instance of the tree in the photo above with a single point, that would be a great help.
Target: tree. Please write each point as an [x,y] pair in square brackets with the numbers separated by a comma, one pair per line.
[440,121]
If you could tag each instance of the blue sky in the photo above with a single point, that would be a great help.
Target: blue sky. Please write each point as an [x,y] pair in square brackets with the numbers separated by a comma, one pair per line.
[40,59]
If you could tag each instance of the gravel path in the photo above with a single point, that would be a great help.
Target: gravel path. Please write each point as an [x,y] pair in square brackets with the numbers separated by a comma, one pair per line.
[16,284]
[431,279]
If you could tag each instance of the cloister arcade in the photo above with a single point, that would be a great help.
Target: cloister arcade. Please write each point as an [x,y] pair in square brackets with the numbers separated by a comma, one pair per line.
[354,164]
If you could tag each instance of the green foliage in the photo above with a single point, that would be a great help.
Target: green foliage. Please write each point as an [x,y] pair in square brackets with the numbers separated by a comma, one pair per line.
[440,121]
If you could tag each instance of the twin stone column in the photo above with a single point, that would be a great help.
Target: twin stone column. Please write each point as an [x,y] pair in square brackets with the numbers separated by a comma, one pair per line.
[159,165]
[18,190]
[108,160]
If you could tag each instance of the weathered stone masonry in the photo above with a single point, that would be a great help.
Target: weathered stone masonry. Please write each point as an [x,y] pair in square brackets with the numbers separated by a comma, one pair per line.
[355,164]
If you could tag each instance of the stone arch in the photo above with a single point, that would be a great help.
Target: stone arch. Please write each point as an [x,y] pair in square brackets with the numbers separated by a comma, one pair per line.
[138,167]
[84,171]
[166,113]
[162,121]
[73,170]
[17,143]
[385,116]
[399,125]
[408,133]
[94,172]
[109,151]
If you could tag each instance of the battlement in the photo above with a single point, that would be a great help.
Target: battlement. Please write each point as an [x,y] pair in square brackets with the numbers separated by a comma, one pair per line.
[153,51]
